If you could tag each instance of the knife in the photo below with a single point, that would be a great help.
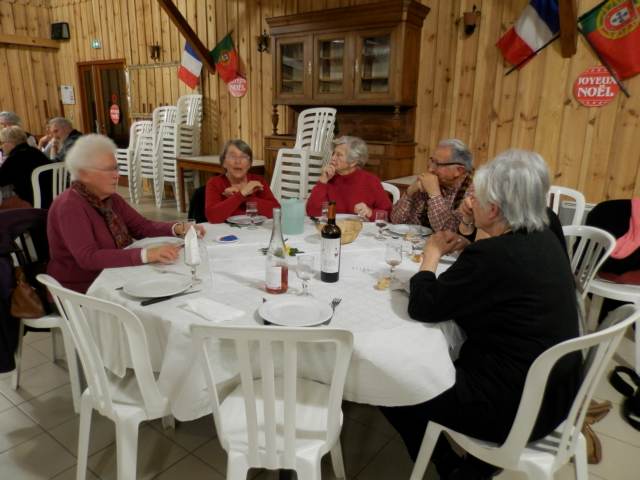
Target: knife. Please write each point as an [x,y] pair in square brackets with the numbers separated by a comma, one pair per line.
[151,301]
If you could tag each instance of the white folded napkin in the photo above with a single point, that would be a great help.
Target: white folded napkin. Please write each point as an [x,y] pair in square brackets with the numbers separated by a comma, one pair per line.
[211,310]
[191,252]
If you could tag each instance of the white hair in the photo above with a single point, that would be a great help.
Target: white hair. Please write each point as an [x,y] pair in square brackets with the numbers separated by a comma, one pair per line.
[357,149]
[460,153]
[85,150]
[11,117]
[61,122]
[13,134]
[517,182]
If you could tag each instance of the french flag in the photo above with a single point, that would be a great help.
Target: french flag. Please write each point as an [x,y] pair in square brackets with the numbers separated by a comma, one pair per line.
[536,26]
[190,67]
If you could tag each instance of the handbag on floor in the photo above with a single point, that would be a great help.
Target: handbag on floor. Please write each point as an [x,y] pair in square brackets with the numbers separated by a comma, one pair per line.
[25,302]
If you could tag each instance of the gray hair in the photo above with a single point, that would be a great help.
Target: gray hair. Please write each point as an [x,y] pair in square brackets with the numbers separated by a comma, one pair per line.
[85,150]
[358,152]
[60,121]
[517,181]
[459,152]
[13,134]
[240,145]
[11,117]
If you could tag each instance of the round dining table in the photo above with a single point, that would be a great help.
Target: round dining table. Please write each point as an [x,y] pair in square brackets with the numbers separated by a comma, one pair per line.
[396,361]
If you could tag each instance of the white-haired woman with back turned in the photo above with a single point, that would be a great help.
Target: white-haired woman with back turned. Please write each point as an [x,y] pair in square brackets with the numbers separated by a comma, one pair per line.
[513,295]
[89,224]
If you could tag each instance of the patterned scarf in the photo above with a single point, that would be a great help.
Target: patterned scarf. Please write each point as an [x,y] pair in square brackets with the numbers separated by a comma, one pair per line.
[115,224]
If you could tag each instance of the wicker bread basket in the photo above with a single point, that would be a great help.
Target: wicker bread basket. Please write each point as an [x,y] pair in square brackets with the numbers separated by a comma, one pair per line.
[350,230]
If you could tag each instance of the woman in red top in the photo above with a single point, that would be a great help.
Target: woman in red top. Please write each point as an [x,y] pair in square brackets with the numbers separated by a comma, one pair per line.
[345,182]
[226,194]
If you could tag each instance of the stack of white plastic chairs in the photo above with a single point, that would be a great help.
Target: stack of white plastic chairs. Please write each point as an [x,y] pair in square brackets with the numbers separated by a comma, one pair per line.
[173,131]
[126,157]
[297,169]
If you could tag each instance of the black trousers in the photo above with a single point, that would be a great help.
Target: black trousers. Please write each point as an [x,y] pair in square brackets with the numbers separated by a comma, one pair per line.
[476,419]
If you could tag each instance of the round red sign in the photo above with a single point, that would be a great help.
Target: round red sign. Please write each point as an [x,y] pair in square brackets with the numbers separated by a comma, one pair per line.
[595,87]
[114,114]
[238,87]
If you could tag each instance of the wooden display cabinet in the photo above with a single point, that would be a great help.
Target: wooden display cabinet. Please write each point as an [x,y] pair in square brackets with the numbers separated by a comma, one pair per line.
[361,60]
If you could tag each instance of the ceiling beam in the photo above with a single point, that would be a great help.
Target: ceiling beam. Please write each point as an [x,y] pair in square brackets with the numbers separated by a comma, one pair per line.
[568,27]
[185,29]
[28,41]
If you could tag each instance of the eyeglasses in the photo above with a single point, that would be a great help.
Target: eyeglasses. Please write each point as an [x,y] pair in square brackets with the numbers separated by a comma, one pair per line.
[108,170]
[436,164]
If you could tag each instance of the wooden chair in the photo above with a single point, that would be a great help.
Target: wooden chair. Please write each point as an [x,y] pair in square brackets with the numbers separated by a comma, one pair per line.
[274,418]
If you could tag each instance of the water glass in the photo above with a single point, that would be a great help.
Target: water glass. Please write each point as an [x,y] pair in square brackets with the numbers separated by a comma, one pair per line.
[304,271]
[381,222]
[252,211]
[393,254]
[325,212]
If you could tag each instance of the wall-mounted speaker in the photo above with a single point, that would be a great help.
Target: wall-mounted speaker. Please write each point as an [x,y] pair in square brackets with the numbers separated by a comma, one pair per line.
[60,31]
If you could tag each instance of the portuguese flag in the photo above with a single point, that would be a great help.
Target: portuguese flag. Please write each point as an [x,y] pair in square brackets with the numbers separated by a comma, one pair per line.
[226,59]
[613,30]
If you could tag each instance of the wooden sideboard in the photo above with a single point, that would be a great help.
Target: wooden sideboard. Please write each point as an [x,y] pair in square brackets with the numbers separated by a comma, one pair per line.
[361,60]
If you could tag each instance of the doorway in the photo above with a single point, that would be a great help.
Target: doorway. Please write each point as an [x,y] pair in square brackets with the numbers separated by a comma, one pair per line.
[104,99]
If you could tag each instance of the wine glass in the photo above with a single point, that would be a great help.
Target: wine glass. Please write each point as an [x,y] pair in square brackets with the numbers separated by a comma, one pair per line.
[252,211]
[393,255]
[304,271]
[186,225]
[381,223]
[192,260]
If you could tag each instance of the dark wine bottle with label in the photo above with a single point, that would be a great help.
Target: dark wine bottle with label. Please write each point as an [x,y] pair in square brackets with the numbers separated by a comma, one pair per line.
[330,248]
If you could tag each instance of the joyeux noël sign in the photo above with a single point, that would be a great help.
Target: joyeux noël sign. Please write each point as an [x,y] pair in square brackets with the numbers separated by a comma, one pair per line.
[595,87]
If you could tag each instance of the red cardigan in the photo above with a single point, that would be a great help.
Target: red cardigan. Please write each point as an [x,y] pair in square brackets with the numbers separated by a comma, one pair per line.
[81,245]
[218,207]
[347,191]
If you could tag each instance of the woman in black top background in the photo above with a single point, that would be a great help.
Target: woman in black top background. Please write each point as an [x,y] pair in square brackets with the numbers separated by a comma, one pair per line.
[513,295]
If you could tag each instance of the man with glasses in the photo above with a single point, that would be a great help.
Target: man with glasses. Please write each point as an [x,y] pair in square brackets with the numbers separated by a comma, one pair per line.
[434,198]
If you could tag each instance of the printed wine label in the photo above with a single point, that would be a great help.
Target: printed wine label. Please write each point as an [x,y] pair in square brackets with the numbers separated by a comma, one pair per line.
[330,255]
[274,277]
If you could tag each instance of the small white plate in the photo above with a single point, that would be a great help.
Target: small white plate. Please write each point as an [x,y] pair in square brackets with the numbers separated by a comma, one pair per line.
[157,286]
[348,216]
[155,241]
[228,239]
[246,220]
[403,229]
[295,311]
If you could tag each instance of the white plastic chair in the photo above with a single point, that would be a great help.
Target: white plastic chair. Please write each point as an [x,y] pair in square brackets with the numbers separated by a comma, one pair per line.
[393,190]
[275,419]
[542,458]
[588,248]
[555,195]
[297,169]
[59,181]
[126,157]
[127,401]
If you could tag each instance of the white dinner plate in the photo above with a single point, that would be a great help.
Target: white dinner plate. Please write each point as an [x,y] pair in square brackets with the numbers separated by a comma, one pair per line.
[157,286]
[403,229]
[246,220]
[295,311]
[155,241]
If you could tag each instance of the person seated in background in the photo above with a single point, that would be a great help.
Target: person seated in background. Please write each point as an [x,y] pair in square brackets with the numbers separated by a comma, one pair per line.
[45,144]
[63,137]
[227,194]
[433,199]
[20,160]
[10,119]
[513,295]
[89,224]
[344,181]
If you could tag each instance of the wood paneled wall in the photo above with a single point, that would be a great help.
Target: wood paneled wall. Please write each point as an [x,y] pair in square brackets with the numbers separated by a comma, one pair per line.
[28,75]
[462,88]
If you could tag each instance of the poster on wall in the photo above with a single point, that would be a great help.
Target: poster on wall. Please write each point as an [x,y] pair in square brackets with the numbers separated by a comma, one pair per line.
[595,87]
[66,94]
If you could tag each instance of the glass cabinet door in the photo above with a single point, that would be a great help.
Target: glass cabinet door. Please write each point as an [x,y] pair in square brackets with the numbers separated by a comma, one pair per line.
[373,65]
[293,67]
[332,78]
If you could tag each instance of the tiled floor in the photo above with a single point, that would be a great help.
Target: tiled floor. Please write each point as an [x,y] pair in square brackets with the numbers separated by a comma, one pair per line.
[38,432]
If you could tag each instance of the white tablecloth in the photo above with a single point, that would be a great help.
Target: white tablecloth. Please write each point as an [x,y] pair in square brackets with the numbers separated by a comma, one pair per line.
[396,361]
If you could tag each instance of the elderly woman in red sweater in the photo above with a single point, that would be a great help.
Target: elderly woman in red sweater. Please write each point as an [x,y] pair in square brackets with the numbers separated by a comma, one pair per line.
[227,194]
[89,224]
[345,182]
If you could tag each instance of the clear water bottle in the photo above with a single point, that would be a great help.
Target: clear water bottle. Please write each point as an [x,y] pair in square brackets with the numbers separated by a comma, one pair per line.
[277,268]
